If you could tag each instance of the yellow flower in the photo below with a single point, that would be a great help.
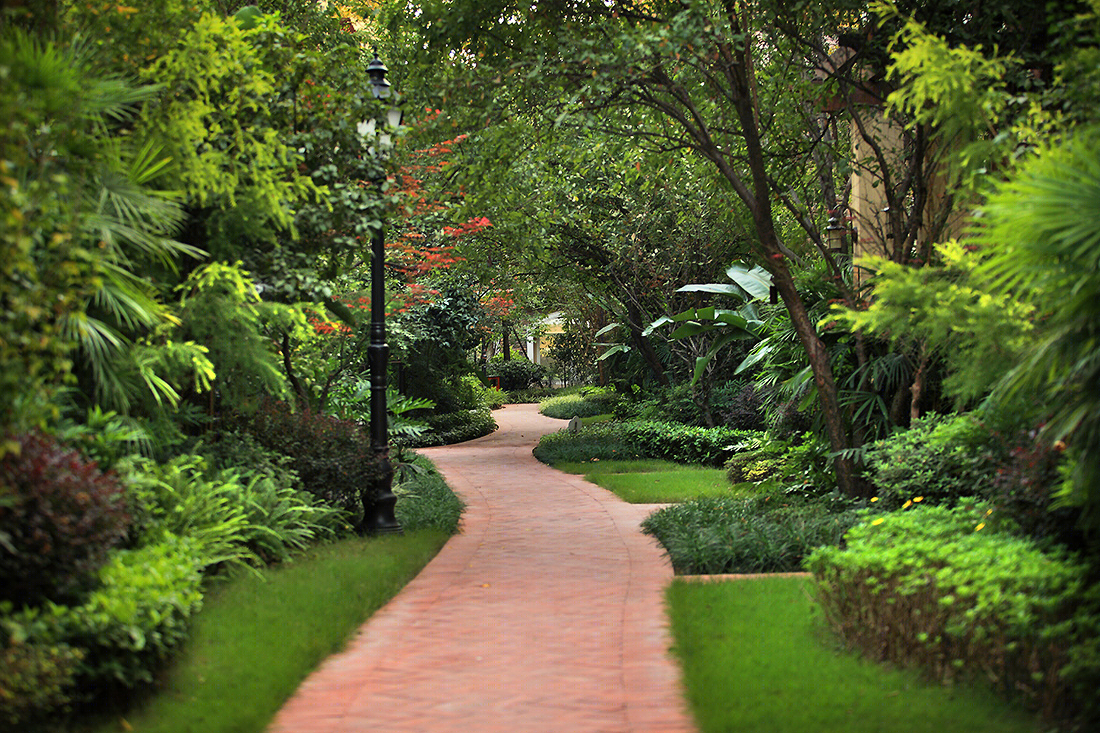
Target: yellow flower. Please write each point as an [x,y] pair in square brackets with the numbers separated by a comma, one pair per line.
[906,505]
[877,522]
[919,498]
[989,512]
[979,527]
[874,499]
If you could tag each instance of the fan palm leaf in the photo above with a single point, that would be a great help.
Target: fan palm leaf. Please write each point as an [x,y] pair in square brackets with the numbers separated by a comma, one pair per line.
[1041,232]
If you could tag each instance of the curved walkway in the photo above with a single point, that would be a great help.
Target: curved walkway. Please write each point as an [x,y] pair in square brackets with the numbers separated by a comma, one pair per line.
[546,614]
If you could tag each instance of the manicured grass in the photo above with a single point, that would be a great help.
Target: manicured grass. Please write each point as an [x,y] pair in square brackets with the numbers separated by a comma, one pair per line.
[652,481]
[257,637]
[757,659]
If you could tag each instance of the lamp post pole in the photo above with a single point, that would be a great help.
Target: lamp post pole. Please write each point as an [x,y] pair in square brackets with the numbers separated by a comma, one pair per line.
[378,514]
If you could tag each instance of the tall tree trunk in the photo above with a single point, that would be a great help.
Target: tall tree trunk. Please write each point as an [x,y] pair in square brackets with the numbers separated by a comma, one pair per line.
[756,193]
[507,344]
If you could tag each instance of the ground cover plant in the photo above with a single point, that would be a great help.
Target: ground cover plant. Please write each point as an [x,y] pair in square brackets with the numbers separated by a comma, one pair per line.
[767,533]
[757,659]
[189,522]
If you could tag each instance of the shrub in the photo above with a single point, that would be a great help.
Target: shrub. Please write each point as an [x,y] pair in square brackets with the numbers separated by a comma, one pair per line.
[587,403]
[452,427]
[35,679]
[332,457]
[674,404]
[127,626]
[941,458]
[1024,485]
[496,398]
[803,465]
[943,589]
[642,439]
[106,437]
[745,461]
[59,516]
[740,406]
[516,374]
[771,533]
[234,449]
[235,515]
[602,441]
[732,404]
[530,395]
[683,443]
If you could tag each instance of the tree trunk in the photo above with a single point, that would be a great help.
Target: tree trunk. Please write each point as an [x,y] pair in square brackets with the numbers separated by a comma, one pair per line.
[507,344]
[828,396]
[756,194]
[295,383]
[917,388]
[644,347]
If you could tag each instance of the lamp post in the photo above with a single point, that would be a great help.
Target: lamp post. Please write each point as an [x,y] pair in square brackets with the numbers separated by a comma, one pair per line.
[378,517]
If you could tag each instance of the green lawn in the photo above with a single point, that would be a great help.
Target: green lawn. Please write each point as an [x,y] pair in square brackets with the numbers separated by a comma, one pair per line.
[652,481]
[756,659]
[258,636]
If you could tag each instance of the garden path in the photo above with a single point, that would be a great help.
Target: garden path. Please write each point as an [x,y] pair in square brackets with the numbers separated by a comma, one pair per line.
[546,614]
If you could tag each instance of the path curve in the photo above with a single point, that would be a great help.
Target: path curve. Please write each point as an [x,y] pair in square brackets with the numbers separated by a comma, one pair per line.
[546,614]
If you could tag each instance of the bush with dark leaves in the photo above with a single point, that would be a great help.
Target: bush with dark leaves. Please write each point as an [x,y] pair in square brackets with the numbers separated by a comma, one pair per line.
[59,517]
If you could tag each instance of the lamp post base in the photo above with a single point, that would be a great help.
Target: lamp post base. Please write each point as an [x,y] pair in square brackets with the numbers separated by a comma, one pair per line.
[378,515]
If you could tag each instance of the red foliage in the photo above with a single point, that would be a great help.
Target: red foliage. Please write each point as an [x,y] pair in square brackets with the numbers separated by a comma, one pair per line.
[61,515]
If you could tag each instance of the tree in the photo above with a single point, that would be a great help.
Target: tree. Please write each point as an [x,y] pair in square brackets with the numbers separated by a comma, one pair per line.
[765,92]
[680,77]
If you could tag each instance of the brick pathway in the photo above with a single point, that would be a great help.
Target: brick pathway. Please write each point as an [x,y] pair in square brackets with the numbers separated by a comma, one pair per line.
[545,615]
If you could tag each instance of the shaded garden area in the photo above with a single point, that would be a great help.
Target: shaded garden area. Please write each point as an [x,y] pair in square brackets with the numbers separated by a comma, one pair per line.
[844,252]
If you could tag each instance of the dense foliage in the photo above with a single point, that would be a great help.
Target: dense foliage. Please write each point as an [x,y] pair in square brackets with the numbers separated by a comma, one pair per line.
[766,534]
[333,458]
[950,591]
[59,518]
[643,439]
[585,403]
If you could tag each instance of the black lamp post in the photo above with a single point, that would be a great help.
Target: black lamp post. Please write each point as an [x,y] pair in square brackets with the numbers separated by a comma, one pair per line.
[378,517]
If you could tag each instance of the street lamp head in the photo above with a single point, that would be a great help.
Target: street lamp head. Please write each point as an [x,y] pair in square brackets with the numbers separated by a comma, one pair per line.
[376,70]
[835,235]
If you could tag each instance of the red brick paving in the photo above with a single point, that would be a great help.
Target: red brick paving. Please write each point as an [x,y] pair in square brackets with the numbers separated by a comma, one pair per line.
[545,614]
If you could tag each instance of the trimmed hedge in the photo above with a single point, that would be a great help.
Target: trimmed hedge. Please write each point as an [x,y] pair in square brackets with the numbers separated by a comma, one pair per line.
[941,588]
[451,427]
[644,439]
[587,403]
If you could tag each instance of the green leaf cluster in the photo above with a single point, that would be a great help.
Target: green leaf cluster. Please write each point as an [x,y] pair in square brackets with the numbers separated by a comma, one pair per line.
[764,534]
[946,311]
[942,589]
[128,626]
